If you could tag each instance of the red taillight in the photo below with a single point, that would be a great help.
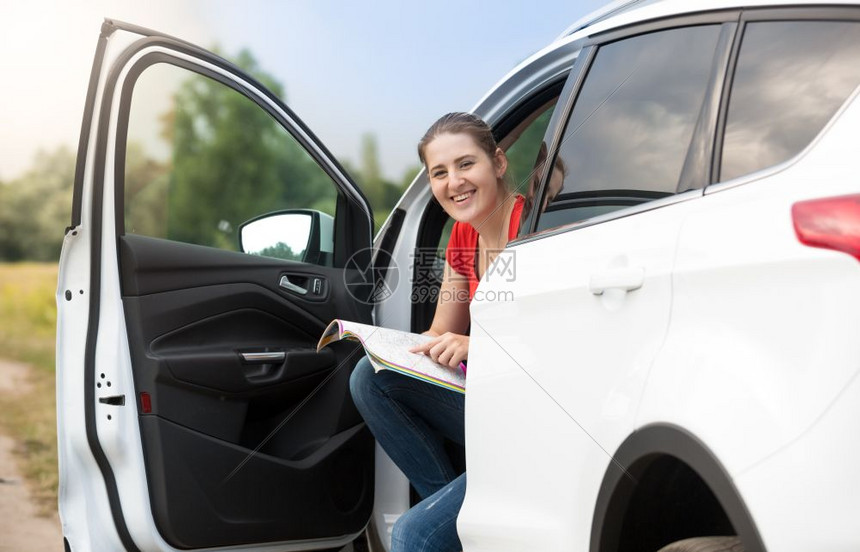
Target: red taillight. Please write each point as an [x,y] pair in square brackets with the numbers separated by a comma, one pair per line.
[145,403]
[831,223]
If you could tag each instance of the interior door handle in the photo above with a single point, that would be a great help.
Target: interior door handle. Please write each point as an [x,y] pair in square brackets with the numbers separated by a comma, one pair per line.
[264,357]
[625,279]
[289,286]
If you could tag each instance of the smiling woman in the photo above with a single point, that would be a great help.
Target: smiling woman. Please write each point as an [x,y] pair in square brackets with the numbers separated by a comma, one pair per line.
[411,420]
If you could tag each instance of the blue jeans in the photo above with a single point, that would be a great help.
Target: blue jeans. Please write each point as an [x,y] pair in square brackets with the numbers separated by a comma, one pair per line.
[411,419]
[431,525]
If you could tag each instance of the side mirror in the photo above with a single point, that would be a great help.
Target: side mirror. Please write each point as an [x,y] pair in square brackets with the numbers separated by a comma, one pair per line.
[301,235]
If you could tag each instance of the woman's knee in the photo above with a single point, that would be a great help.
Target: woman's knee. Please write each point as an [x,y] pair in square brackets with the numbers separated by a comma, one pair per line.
[431,525]
[413,533]
[404,535]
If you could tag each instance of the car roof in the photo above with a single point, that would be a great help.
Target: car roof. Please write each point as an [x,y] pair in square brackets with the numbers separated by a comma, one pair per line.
[627,12]
[610,9]
[621,13]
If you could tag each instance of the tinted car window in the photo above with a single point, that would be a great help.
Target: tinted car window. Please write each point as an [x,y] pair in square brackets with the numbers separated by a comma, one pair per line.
[628,135]
[791,77]
[524,149]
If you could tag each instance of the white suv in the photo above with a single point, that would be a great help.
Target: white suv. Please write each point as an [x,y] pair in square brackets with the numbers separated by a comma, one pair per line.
[670,349]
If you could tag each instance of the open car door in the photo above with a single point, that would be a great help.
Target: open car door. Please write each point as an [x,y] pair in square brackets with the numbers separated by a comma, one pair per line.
[193,409]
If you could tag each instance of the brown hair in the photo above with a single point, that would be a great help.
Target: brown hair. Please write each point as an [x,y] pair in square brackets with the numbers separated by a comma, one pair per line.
[457,123]
[534,179]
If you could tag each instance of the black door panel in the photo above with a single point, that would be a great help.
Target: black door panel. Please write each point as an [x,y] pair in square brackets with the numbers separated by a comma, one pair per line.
[198,505]
[214,352]
[240,449]
[151,265]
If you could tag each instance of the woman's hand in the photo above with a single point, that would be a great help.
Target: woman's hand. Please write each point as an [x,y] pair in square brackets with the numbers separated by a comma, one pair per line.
[449,349]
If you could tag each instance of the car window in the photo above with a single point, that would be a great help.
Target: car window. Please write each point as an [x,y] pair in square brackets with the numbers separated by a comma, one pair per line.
[627,137]
[525,142]
[791,77]
[202,158]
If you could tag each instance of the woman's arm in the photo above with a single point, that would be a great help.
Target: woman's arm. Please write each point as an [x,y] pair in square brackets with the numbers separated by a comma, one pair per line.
[450,322]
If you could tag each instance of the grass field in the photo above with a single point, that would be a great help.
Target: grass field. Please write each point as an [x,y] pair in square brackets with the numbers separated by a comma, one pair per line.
[28,317]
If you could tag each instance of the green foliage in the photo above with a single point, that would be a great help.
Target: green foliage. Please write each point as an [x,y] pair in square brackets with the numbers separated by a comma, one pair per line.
[523,152]
[280,251]
[36,208]
[28,312]
[232,161]
[408,176]
[28,315]
[229,161]
[146,183]
[371,176]
[381,193]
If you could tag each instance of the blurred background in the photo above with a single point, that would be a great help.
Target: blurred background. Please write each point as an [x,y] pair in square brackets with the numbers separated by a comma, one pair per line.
[367,77]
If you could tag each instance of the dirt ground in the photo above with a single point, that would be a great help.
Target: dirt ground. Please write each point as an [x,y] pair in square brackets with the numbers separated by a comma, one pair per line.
[21,529]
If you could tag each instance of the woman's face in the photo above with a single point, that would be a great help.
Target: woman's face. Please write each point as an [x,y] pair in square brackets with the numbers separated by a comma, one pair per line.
[464,179]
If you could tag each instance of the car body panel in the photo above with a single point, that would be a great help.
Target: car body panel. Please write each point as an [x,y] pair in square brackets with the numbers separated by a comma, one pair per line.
[792,356]
[585,424]
[739,248]
[715,374]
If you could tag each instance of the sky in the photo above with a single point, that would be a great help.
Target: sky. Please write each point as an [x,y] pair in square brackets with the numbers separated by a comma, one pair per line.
[385,67]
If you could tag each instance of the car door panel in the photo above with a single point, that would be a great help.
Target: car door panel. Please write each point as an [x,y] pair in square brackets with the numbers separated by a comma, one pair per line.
[590,294]
[192,312]
[152,266]
[207,416]
[196,507]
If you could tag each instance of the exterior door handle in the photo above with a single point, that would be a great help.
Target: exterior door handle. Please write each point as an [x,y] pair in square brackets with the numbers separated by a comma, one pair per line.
[625,279]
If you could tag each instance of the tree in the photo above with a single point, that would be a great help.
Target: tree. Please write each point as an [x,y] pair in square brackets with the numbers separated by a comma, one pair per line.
[229,161]
[280,251]
[371,176]
[408,176]
[233,161]
[35,209]
[381,193]
[146,183]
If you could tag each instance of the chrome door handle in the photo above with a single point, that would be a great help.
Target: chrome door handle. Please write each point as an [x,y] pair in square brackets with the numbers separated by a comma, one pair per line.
[264,357]
[626,279]
[289,286]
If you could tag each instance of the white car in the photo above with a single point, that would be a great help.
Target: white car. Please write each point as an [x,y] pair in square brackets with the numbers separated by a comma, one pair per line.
[670,349]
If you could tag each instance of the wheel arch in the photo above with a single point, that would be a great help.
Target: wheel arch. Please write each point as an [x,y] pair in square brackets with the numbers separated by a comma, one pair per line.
[638,459]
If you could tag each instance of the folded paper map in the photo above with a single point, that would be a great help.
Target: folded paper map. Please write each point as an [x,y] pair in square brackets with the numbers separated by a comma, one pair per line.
[388,349]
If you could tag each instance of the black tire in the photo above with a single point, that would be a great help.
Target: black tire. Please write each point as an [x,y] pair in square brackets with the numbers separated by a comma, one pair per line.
[705,544]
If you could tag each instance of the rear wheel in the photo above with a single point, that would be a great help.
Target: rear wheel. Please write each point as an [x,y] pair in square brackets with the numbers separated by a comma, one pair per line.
[705,544]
